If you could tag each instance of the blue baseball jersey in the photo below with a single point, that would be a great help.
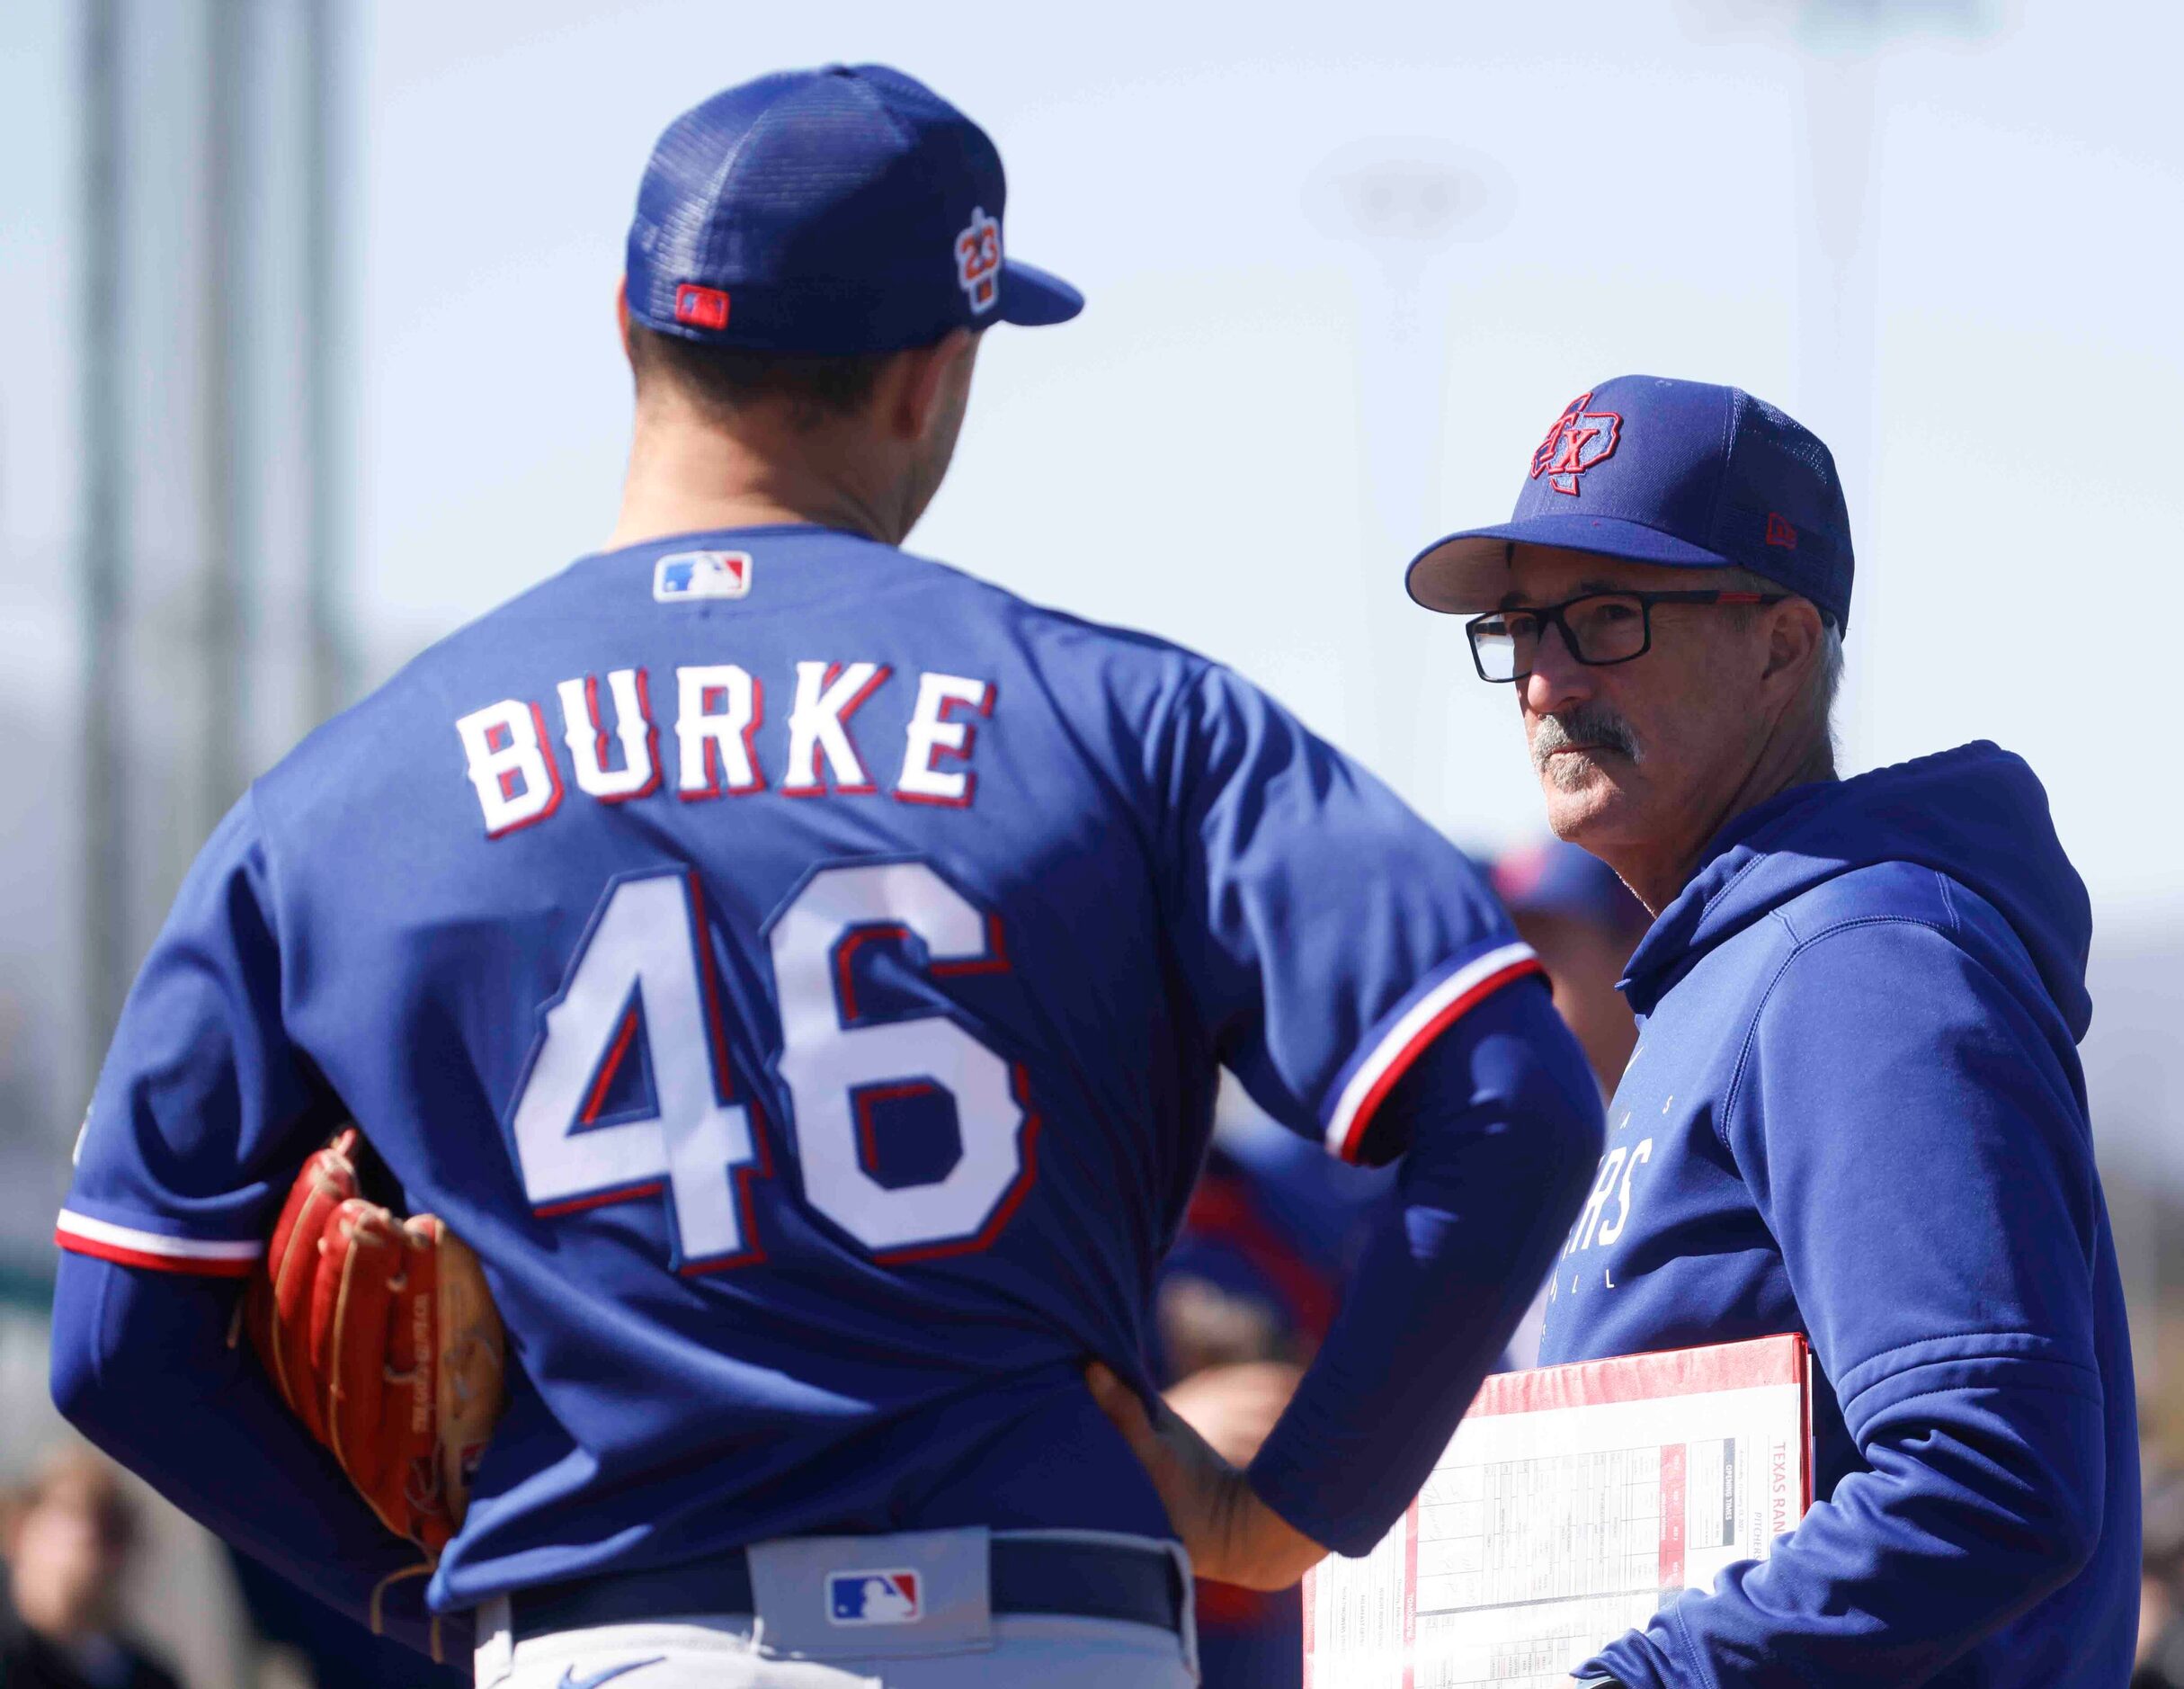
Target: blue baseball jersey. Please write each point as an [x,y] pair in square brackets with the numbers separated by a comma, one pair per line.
[801,972]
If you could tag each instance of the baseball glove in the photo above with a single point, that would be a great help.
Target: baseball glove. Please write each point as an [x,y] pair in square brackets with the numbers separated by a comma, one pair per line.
[382,1337]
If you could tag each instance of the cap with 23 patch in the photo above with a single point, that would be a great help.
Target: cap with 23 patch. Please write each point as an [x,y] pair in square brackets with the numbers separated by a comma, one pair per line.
[848,210]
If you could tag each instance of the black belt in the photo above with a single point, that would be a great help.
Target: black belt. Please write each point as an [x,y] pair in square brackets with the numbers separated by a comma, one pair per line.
[1083,1580]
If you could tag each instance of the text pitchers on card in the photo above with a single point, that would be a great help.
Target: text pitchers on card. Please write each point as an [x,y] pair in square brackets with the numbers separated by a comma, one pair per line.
[612,737]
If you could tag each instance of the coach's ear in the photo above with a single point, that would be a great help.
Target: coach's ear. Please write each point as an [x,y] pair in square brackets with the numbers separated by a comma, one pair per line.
[924,388]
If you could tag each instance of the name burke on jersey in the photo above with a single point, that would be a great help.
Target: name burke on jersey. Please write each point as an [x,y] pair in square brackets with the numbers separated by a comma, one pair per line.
[612,740]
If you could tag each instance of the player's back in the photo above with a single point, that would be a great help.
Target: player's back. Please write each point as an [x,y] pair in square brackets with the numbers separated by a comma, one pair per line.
[802,973]
[783,1008]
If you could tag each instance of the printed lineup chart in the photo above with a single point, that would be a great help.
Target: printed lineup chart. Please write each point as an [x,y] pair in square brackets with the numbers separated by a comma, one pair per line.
[1573,1502]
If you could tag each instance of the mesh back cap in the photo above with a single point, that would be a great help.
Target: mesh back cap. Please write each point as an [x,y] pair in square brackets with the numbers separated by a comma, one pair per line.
[1679,473]
[844,209]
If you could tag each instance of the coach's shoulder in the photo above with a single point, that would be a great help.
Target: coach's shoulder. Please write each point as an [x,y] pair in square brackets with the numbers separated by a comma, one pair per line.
[1875,894]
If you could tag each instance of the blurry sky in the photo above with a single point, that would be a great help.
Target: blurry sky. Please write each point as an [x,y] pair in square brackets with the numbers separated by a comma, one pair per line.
[1191,454]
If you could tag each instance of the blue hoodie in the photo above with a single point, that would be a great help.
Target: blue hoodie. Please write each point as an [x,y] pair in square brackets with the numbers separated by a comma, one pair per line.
[1855,1112]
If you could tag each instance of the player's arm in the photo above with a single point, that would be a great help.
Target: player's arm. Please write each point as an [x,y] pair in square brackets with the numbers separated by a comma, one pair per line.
[200,1117]
[142,1365]
[1368,990]
[1504,1125]
[1936,1203]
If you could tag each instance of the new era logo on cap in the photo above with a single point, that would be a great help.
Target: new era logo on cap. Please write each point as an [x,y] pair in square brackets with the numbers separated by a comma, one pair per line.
[701,575]
[873,1597]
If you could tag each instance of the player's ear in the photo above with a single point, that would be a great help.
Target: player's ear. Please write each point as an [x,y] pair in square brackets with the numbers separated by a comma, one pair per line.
[928,383]
[622,317]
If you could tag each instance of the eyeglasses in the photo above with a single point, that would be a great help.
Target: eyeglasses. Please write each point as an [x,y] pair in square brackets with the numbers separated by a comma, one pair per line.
[1598,629]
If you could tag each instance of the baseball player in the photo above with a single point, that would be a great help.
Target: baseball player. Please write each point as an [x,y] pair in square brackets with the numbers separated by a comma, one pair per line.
[800,973]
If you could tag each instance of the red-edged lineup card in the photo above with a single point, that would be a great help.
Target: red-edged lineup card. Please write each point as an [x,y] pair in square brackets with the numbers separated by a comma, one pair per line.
[1573,1502]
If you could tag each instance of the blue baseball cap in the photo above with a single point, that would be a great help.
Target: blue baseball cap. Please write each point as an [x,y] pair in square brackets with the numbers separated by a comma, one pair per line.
[1679,473]
[846,210]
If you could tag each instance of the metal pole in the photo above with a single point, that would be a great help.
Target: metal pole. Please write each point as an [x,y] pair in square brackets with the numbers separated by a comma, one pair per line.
[326,675]
[103,805]
[222,644]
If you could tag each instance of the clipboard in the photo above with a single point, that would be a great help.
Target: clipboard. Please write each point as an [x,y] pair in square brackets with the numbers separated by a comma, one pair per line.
[1573,1502]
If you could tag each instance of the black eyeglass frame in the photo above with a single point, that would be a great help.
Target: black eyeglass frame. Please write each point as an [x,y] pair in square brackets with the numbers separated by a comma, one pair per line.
[1551,616]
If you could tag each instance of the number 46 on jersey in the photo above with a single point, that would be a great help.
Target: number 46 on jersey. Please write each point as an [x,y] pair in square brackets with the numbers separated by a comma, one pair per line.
[644,968]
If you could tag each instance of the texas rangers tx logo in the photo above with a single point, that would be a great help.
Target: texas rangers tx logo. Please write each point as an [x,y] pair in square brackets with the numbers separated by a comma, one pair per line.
[1579,438]
[978,261]
[873,1597]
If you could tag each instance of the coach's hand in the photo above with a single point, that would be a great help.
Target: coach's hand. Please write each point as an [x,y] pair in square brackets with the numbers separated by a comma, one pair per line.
[1232,1535]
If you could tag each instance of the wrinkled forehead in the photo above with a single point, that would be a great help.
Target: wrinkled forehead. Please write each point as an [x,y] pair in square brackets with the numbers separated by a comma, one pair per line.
[1547,575]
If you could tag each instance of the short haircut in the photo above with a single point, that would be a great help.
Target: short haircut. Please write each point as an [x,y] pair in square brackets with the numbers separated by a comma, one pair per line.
[1827,673]
[723,381]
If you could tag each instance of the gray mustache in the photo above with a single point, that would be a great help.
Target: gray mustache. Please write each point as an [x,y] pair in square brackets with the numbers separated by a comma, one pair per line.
[1585,726]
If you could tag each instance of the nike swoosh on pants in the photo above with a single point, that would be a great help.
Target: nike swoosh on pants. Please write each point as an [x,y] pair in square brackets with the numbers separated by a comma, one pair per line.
[570,1680]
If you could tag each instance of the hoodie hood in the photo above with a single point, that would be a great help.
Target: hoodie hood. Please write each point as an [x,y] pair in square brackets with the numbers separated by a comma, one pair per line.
[1977,814]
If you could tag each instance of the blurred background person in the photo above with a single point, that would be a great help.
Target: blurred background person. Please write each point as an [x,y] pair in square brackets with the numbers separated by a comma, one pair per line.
[1243,1300]
[2160,1660]
[1569,907]
[68,1535]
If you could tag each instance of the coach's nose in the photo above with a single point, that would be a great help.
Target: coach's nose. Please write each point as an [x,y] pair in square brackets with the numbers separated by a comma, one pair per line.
[1557,680]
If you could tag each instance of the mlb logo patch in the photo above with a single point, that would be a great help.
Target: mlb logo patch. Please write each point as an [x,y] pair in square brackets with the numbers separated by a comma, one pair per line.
[701,307]
[873,1598]
[701,575]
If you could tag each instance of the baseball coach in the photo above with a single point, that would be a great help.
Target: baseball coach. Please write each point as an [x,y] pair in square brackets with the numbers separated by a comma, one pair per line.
[1856,1110]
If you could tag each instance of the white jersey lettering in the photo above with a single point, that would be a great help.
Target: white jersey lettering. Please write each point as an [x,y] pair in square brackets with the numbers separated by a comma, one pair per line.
[827,695]
[718,712]
[639,772]
[509,764]
[614,751]
[931,734]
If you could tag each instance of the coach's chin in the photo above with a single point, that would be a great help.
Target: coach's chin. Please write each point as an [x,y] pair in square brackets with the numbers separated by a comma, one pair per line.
[1856,1110]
